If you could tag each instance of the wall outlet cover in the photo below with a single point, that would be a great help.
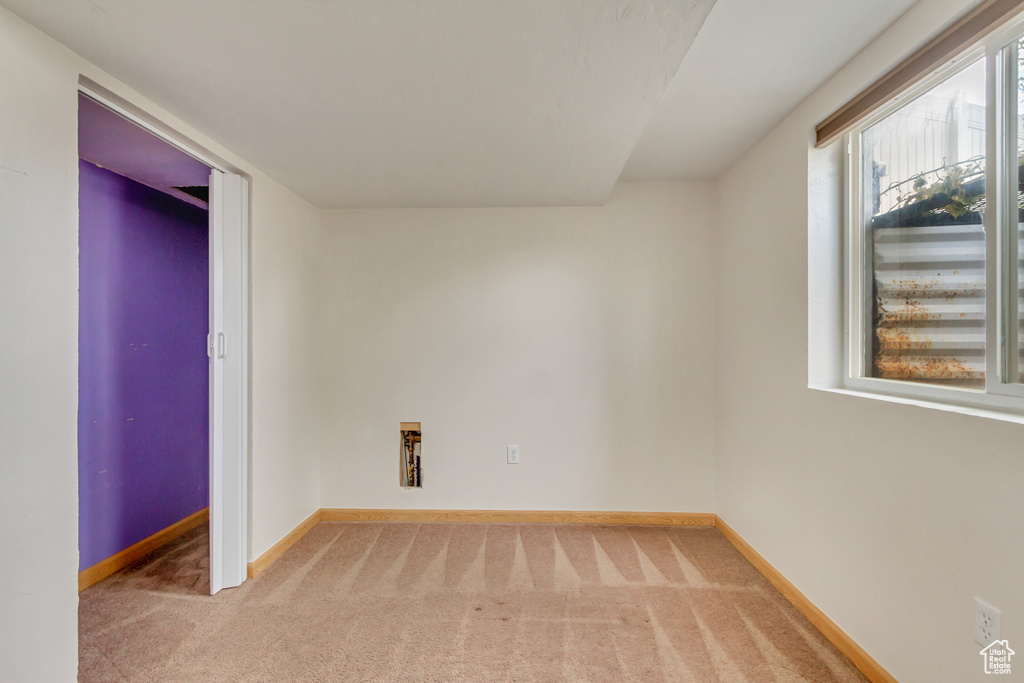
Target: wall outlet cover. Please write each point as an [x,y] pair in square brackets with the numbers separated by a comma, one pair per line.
[513,455]
[987,622]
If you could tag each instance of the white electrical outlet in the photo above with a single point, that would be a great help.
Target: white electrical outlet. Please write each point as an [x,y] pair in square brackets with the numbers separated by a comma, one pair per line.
[513,455]
[987,622]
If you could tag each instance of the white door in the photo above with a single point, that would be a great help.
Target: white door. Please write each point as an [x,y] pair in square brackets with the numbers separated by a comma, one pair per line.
[228,429]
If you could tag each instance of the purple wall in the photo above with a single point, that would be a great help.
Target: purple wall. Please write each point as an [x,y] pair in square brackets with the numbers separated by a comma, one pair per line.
[143,379]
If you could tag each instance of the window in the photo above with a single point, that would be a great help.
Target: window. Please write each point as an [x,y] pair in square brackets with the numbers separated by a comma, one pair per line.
[933,305]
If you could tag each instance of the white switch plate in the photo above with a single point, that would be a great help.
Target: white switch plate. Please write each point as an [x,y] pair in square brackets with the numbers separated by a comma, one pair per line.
[513,455]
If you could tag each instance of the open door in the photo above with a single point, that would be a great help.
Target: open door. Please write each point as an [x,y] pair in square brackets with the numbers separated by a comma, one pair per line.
[228,429]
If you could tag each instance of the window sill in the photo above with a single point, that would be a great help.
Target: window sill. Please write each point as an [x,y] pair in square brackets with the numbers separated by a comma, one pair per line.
[1002,414]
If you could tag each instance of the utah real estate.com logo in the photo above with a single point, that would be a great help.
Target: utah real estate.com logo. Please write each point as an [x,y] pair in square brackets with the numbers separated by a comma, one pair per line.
[997,657]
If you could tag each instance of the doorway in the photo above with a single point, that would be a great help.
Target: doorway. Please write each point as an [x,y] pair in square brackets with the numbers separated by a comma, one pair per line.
[162,346]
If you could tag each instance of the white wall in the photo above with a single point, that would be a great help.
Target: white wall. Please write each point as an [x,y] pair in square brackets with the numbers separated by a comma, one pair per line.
[286,422]
[584,335]
[39,357]
[888,517]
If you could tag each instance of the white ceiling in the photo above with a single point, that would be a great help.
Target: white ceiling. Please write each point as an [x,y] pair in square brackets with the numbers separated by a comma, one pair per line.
[400,102]
[471,102]
[752,63]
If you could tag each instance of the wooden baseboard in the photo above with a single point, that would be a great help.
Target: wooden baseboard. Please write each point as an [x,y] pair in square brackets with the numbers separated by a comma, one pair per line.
[259,565]
[114,563]
[871,669]
[517,516]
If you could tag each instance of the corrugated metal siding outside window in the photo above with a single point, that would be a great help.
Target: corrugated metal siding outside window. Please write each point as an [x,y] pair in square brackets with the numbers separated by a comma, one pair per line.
[929,309]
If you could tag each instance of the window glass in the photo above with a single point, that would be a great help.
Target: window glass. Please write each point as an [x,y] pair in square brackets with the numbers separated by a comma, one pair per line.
[923,196]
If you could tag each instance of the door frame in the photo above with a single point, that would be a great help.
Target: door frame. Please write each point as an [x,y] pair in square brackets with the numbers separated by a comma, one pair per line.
[232,473]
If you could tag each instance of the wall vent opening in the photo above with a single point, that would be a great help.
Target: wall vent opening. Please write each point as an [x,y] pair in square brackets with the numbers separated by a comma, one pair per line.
[411,475]
[200,192]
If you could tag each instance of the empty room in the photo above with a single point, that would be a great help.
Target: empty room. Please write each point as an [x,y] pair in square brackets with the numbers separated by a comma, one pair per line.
[552,340]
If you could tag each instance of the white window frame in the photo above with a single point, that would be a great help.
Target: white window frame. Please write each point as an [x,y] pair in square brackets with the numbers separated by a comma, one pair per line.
[1000,243]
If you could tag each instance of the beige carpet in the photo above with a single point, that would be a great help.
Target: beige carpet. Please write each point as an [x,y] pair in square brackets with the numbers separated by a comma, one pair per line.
[457,602]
